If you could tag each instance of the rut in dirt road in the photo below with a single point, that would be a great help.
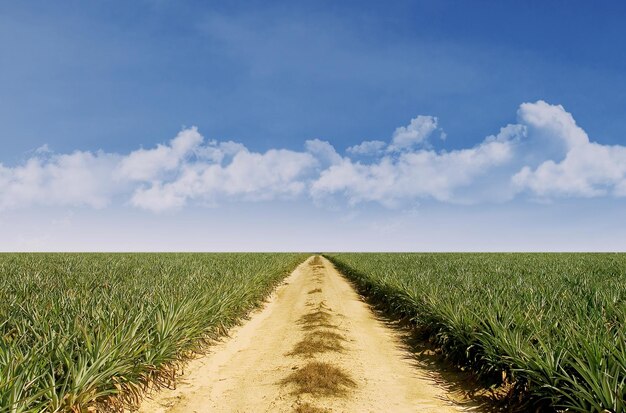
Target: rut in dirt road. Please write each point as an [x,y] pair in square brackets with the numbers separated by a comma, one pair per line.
[315,347]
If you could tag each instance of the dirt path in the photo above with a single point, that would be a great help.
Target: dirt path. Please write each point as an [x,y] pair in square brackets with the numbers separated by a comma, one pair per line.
[315,317]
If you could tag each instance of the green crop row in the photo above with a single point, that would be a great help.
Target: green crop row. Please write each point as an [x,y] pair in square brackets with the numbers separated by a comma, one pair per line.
[552,324]
[81,329]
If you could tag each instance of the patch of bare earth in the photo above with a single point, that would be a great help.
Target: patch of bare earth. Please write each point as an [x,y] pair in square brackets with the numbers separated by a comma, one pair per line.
[315,347]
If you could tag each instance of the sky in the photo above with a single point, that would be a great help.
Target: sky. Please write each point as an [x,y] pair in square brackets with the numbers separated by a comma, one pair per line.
[160,125]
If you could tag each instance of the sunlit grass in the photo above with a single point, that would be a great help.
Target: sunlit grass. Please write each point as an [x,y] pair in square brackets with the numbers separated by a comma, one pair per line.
[553,325]
[80,329]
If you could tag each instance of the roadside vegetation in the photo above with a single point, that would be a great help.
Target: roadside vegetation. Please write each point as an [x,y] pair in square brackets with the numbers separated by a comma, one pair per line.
[321,379]
[549,328]
[83,331]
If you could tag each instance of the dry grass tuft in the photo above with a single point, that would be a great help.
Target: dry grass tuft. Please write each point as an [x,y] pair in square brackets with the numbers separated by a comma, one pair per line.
[320,318]
[316,317]
[319,378]
[315,327]
[316,290]
[309,408]
[318,342]
[329,335]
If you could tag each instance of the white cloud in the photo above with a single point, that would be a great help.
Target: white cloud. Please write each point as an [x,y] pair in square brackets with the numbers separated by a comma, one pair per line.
[148,164]
[545,155]
[367,148]
[323,151]
[577,166]
[588,170]
[551,125]
[412,175]
[260,176]
[158,198]
[165,177]
[76,179]
[43,149]
[218,152]
[416,132]
[415,174]
[249,176]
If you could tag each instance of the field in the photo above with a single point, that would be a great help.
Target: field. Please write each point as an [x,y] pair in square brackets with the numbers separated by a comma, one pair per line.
[550,328]
[77,329]
[84,332]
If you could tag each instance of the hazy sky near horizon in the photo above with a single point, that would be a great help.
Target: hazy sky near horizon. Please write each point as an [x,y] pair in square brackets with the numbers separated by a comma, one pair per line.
[229,126]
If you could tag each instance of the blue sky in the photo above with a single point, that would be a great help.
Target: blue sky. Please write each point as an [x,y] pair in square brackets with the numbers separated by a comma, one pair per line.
[233,92]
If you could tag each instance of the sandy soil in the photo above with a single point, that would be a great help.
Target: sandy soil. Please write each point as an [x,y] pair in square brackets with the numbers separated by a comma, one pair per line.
[245,372]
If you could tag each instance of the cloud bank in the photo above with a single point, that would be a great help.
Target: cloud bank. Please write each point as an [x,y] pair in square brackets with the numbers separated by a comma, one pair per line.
[544,156]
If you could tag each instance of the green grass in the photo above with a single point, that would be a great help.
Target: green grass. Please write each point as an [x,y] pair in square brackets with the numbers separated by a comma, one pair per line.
[81,329]
[553,324]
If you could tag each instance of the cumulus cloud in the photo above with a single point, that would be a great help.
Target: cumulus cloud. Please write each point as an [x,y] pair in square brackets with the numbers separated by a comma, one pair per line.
[588,170]
[218,152]
[416,132]
[551,125]
[576,166]
[147,164]
[43,149]
[367,148]
[411,175]
[323,151]
[159,197]
[544,155]
[249,176]
[165,177]
[76,179]
[419,173]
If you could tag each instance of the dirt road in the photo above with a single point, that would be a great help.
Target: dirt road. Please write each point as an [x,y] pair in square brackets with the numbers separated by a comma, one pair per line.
[314,347]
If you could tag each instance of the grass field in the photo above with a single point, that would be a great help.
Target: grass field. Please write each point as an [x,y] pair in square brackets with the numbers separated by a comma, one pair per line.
[551,327]
[77,329]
